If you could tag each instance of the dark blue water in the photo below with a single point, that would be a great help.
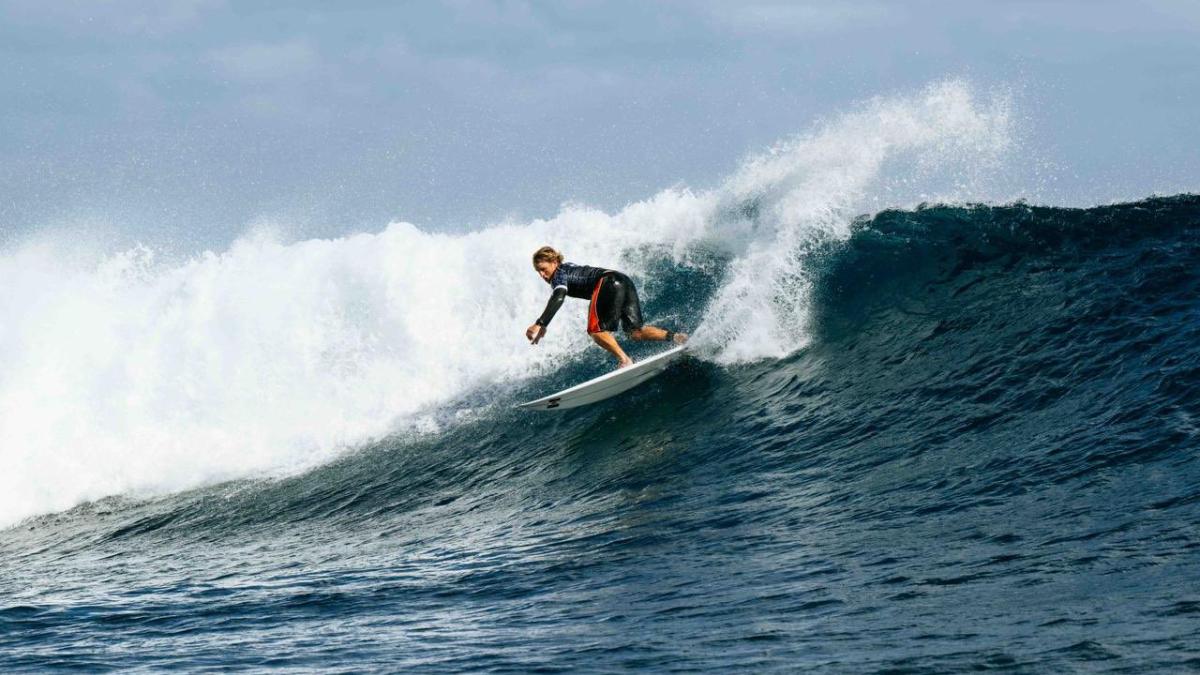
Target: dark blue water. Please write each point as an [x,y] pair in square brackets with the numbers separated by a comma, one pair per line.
[985,459]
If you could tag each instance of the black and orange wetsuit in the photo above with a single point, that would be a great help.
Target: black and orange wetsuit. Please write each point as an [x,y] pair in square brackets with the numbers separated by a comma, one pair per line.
[614,299]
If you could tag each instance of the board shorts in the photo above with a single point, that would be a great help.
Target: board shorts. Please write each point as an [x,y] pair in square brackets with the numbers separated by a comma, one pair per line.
[614,301]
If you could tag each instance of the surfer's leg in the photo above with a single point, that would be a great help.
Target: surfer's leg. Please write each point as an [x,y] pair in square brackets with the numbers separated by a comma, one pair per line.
[605,339]
[631,319]
[654,333]
[603,318]
[648,333]
[631,307]
[604,313]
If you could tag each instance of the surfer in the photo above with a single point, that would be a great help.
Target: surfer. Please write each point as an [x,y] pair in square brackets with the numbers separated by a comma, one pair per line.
[614,301]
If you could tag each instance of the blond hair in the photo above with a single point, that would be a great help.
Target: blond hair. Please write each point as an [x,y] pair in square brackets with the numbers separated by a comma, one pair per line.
[547,254]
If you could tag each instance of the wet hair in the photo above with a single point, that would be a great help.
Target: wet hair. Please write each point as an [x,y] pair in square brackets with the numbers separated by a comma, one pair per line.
[547,254]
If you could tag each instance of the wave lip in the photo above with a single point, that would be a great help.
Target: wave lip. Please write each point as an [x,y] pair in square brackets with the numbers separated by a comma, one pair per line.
[808,190]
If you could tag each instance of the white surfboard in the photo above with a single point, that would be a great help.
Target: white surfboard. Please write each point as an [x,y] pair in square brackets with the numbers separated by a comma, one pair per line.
[608,384]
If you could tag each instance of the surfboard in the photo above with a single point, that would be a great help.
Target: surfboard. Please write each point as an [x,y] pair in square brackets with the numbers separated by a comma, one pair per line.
[608,384]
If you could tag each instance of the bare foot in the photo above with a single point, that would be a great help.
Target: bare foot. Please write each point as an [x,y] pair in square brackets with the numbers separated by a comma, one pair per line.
[625,364]
[681,338]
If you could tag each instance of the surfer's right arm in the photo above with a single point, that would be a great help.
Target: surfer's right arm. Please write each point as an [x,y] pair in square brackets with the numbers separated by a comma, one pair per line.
[538,329]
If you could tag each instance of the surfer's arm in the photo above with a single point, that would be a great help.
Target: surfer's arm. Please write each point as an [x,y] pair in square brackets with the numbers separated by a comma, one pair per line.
[538,329]
[552,305]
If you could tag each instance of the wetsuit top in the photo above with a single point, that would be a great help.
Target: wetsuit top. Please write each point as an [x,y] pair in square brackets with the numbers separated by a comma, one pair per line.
[577,281]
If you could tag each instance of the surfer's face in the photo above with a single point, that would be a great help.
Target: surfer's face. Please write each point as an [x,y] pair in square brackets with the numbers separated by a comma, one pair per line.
[545,268]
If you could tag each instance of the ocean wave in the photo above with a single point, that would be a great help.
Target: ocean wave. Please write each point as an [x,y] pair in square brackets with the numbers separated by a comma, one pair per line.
[130,374]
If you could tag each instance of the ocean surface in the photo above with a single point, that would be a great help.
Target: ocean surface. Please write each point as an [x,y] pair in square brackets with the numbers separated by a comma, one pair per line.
[946,436]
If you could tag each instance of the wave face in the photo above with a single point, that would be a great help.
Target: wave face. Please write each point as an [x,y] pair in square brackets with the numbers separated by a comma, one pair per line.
[935,438]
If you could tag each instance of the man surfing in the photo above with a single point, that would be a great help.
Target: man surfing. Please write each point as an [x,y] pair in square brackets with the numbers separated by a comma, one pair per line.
[614,301]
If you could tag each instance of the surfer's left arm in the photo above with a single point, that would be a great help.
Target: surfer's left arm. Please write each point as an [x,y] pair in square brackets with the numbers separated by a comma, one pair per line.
[538,329]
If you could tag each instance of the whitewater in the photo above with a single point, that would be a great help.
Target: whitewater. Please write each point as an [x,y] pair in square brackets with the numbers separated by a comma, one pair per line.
[131,374]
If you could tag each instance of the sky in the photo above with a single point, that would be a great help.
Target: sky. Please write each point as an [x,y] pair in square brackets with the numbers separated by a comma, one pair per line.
[187,122]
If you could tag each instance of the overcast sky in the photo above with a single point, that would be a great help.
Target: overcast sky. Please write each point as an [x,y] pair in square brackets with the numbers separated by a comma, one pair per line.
[188,121]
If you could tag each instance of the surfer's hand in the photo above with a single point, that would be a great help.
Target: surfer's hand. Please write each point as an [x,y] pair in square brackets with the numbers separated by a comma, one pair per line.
[535,333]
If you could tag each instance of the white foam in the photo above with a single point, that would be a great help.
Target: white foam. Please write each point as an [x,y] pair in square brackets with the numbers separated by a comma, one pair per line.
[124,374]
[937,145]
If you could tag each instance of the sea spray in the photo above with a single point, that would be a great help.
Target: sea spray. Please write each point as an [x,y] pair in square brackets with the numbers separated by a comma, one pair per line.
[808,189]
